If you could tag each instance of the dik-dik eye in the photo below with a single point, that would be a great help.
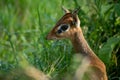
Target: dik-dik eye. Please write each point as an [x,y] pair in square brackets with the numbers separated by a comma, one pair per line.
[63,28]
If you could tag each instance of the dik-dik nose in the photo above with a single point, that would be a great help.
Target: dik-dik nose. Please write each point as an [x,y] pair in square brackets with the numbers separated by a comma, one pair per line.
[50,37]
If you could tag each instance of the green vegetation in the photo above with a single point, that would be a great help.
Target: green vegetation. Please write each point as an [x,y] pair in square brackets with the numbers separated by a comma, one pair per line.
[24,25]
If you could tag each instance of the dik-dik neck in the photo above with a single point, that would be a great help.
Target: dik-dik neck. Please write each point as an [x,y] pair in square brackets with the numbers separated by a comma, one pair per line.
[80,44]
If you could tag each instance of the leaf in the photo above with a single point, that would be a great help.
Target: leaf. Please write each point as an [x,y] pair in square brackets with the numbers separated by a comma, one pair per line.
[106,9]
[107,49]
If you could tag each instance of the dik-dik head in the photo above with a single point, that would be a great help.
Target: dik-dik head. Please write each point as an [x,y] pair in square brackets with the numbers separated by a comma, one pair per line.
[66,26]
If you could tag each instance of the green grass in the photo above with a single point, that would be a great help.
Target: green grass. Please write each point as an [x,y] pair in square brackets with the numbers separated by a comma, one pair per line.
[24,25]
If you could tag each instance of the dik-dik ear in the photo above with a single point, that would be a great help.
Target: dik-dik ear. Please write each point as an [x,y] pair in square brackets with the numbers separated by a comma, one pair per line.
[76,20]
[75,11]
[65,10]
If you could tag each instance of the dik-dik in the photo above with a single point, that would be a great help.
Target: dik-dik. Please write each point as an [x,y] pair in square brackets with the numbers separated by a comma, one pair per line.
[69,27]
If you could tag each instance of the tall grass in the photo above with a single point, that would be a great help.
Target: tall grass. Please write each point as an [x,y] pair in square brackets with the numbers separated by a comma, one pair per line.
[25,23]
[23,27]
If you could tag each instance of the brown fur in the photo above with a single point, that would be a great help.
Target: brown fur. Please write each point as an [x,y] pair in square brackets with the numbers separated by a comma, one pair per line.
[80,45]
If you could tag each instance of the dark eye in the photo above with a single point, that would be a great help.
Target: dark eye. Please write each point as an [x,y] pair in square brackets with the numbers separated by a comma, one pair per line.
[64,27]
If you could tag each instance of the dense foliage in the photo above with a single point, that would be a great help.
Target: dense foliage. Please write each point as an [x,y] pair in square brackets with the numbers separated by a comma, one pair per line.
[24,25]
